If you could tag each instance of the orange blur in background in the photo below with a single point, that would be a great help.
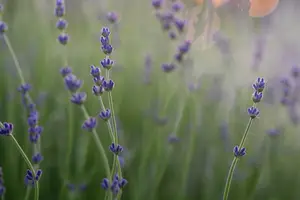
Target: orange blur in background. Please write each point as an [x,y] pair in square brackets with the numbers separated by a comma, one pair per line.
[258,8]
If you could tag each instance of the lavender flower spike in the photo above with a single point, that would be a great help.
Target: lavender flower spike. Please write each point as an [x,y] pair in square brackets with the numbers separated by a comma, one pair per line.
[240,151]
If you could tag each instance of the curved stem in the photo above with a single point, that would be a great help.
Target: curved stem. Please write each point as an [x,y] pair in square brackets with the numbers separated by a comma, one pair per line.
[36,147]
[235,161]
[27,193]
[30,166]
[98,144]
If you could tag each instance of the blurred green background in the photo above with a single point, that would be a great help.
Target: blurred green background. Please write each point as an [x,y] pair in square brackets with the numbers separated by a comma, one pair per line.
[203,104]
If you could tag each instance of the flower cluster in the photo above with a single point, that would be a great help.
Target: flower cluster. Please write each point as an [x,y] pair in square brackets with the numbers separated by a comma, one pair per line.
[61,24]
[34,129]
[6,129]
[169,22]
[253,112]
[73,84]
[116,185]
[31,178]
[2,188]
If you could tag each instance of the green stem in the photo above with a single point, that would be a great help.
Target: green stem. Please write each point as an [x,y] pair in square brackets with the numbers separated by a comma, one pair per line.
[36,188]
[114,127]
[28,191]
[189,157]
[110,130]
[235,161]
[98,144]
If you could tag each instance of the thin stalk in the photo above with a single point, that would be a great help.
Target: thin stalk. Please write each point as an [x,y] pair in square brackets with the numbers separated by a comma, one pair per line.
[30,166]
[70,129]
[36,147]
[112,137]
[27,195]
[98,143]
[116,163]
[235,161]
[189,156]
[110,130]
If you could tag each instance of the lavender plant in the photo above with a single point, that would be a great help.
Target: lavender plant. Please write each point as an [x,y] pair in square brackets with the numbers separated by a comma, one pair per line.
[240,151]
[102,84]
[33,174]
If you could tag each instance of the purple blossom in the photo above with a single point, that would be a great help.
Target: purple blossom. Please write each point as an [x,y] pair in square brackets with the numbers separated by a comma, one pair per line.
[78,98]
[61,24]
[105,115]
[112,17]
[89,124]
[63,38]
[253,112]
[168,67]
[6,129]
[239,152]
[157,3]
[72,83]
[3,27]
[65,71]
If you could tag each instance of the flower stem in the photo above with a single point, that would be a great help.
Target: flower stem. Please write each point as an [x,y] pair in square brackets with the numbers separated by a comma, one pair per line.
[110,130]
[30,166]
[36,147]
[98,144]
[235,161]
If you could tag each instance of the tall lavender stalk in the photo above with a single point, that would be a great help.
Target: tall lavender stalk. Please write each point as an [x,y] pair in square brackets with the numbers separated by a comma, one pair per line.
[106,84]
[33,175]
[240,150]
[6,129]
[62,25]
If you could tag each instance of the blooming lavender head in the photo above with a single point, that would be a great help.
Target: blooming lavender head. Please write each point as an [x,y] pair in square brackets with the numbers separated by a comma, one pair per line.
[37,158]
[108,85]
[253,112]
[65,71]
[78,98]
[61,24]
[259,85]
[59,8]
[63,38]
[107,63]
[95,71]
[112,17]
[105,114]
[3,27]
[177,6]
[6,129]
[168,67]
[24,88]
[180,25]
[30,179]
[89,124]
[72,83]
[239,152]
[115,148]
[157,4]
[115,186]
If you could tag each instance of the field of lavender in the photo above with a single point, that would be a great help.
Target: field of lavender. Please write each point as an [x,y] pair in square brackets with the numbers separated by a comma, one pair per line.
[148,100]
